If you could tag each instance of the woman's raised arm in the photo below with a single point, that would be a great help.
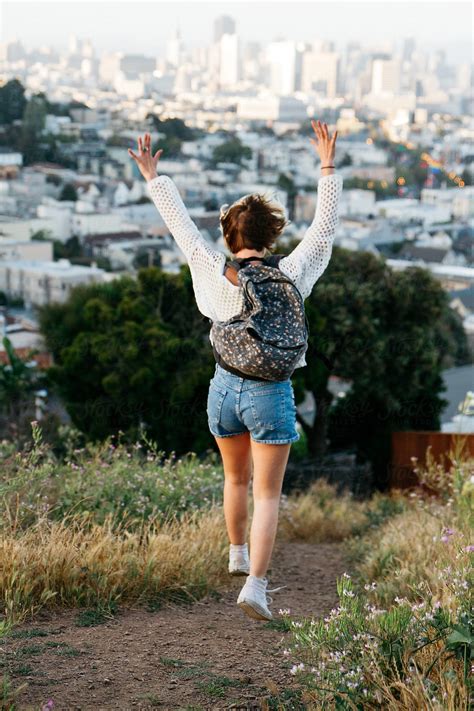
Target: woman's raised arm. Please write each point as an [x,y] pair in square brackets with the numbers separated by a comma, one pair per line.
[306,263]
[167,200]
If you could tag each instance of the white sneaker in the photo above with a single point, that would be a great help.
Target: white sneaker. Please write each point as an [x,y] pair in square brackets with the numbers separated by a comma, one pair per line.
[239,562]
[254,598]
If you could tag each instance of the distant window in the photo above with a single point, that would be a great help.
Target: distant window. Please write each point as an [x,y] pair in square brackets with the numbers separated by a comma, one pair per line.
[63,286]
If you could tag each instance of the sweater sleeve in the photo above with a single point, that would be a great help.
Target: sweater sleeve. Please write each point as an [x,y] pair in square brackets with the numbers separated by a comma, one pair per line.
[306,263]
[165,195]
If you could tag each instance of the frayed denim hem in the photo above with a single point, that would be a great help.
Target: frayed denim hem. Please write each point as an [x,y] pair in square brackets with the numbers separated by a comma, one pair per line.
[277,441]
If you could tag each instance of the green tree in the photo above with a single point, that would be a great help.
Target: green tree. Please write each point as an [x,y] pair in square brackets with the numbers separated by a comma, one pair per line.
[68,192]
[42,236]
[18,381]
[211,204]
[174,128]
[70,249]
[395,326]
[231,151]
[171,146]
[33,122]
[466,176]
[12,101]
[131,353]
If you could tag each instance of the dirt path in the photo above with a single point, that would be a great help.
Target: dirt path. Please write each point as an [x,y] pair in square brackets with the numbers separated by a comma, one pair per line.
[208,655]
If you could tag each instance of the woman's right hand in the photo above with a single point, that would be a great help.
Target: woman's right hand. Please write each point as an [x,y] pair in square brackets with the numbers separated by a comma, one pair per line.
[145,161]
[325,146]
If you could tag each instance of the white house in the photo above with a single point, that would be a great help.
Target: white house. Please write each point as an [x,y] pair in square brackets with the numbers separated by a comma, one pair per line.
[45,282]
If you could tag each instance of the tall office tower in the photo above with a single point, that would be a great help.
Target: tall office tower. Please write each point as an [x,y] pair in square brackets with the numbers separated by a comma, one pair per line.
[224,59]
[320,45]
[463,76]
[408,48]
[182,80]
[250,61]
[301,49]
[74,44]
[199,56]
[281,57]
[320,72]
[223,25]
[385,76]
[174,49]
[87,49]
[14,51]
[229,60]
[133,65]
[109,66]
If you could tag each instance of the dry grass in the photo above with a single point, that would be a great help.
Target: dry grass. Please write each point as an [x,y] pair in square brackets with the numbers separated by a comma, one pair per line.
[320,515]
[77,562]
[412,550]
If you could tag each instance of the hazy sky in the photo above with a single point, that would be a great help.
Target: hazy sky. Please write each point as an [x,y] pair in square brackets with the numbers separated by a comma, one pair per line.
[145,26]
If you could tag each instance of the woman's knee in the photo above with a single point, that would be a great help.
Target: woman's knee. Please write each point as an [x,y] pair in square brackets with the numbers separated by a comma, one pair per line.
[240,477]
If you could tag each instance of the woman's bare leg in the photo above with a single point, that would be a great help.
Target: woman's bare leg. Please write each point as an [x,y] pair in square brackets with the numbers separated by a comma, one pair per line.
[269,466]
[237,462]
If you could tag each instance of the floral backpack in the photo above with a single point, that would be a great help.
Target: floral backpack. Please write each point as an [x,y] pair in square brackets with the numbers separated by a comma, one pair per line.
[267,339]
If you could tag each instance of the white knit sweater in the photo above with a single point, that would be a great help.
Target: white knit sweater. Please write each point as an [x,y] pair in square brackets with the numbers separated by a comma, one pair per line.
[216,297]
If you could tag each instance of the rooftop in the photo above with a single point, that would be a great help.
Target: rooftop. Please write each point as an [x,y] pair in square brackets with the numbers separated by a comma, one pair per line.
[62,266]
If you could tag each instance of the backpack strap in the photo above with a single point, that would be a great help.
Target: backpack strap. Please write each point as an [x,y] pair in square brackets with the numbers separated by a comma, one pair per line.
[272,260]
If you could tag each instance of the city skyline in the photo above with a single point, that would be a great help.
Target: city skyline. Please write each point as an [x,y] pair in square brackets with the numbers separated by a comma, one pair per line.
[390,24]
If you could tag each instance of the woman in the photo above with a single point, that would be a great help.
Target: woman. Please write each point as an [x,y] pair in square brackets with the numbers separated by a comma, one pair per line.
[253,421]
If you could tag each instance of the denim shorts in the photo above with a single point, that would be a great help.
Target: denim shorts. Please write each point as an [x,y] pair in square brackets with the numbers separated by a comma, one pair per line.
[266,410]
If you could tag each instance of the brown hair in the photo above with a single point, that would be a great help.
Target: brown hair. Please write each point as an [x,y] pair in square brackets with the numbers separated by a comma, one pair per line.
[253,222]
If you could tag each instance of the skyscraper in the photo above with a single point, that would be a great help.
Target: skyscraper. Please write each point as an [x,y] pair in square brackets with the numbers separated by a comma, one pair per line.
[224,53]
[223,25]
[320,72]
[385,76]
[174,49]
[281,57]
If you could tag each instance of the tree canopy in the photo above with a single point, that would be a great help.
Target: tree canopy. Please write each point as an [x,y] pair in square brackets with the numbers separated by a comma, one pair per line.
[12,101]
[133,354]
[231,151]
[398,333]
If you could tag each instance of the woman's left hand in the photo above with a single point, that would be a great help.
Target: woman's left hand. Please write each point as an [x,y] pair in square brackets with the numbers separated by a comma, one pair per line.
[145,161]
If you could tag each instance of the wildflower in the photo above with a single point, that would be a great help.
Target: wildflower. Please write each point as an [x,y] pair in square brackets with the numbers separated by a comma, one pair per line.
[284,611]
[469,549]
[296,667]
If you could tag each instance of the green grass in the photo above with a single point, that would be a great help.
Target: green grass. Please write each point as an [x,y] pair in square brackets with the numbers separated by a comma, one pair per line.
[27,634]
[280,624]
[30,649]
[216,685]
[91,617]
